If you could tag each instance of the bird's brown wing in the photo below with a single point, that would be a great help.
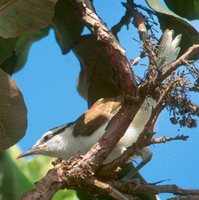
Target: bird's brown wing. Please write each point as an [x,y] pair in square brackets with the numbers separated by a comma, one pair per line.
[103,110]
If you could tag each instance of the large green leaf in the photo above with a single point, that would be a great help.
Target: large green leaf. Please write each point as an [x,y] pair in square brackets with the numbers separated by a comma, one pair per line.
[67,24]
[20,175]
[185,8]
[36,169]
[13,183]
[169,20]
[18,16]
[13,113]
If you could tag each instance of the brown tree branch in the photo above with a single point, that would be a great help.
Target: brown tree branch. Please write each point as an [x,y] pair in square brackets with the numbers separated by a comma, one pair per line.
[139,23]
[112,47]
[61,176]
[134,188]
[125,20]
[187,197]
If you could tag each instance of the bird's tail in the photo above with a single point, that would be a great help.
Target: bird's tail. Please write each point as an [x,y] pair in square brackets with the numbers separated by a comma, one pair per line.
[168,49]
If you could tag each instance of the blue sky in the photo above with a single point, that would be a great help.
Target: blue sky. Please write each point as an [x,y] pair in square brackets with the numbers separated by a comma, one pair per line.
[48,83]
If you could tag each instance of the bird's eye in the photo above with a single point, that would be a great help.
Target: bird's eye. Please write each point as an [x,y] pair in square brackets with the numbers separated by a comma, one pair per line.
[47,137]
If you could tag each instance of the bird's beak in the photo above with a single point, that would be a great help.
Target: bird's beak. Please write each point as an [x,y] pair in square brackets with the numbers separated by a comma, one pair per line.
[35,150]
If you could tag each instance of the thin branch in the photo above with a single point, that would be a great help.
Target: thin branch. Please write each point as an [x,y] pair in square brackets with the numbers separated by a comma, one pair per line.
[168,139]
[139,22]
[125,20]
[131,151]
[105,188]
[148,132]
[133,188]
[187,197]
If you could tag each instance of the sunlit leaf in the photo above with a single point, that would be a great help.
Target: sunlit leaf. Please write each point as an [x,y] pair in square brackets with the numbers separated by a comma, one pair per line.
[13,182]
[18,16]
[13,113]
[20,175]
[34,170]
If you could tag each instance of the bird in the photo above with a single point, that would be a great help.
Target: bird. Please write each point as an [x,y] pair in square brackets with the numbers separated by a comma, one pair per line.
[78,137]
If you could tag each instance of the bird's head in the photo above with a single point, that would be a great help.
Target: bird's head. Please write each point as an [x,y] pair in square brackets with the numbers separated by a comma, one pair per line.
[52,143]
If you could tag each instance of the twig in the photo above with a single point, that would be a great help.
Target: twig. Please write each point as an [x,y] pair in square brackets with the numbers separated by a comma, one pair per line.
[118,161]
[139,22]
[148,133]
[105,188]
[167,139]
[187,197]
[61,177]
[125,20]
[132,150]
[132,188]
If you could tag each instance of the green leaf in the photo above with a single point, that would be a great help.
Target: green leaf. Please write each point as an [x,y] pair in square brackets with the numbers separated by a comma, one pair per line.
[20,175]
[36,169]
[66,194]
[6,48]
[13,183]
[13,113]
[169,20]
[185,8]
[18,16]
[20,49]
[67,25]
